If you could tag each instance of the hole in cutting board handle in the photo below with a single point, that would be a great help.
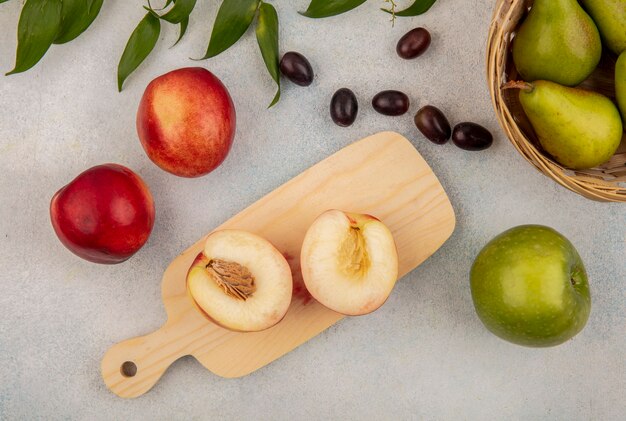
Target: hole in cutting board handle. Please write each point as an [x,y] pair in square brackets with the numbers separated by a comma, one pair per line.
[128,369]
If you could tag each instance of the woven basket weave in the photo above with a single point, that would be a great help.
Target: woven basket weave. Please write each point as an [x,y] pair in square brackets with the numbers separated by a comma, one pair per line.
[604,183]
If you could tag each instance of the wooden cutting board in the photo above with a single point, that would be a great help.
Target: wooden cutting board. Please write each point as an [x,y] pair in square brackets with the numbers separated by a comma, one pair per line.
[382,175]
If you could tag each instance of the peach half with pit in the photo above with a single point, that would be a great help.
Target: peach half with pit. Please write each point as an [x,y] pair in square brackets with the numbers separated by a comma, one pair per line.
[240,281]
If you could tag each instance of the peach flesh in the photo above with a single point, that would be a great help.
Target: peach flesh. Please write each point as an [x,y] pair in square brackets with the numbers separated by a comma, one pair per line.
[349,262]
[240,281]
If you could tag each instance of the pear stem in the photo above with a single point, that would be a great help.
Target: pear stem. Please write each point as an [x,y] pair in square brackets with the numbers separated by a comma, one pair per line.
[519,84]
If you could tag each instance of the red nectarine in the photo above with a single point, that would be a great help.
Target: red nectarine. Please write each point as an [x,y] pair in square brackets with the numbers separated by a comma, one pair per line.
[186,122]
[104,215]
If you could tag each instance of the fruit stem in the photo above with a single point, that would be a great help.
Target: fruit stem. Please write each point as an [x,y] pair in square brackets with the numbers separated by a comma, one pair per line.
[519,84]
[393,6]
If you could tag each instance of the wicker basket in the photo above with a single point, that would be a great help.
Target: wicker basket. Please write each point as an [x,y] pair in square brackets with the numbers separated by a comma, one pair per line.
[604,183]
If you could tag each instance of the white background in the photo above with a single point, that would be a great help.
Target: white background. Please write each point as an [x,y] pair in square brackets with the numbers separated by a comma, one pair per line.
[423,355]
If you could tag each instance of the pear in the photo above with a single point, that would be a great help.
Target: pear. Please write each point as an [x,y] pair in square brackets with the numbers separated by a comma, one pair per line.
[580,129]
[558,42]
[620,84]
[610,17]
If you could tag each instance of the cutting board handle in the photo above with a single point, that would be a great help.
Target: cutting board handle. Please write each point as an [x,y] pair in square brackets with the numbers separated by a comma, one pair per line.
[130,368]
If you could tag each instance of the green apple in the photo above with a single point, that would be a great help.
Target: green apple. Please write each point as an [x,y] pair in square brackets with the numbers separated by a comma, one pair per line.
[529,287]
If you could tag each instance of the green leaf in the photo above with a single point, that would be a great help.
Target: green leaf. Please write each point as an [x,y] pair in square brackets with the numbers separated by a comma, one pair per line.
[167,3]
[232,21]
[38,27]
[152,12]
[267,37]
[183,28]
[181,10]
[326,8]
[140,44]
[76,16]
[417,8]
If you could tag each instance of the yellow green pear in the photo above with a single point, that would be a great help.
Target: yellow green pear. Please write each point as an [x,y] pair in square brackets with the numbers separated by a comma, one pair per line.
[610,17]
[558,42]
[620,83]
[580,129]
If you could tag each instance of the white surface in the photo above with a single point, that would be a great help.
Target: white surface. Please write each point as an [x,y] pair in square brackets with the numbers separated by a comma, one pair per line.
[423,355]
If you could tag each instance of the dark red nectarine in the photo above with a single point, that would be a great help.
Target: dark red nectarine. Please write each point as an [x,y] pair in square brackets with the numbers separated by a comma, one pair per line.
[186,122]
[104,215]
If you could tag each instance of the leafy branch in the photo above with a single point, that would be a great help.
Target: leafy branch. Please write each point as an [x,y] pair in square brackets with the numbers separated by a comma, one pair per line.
[326,8]
[233,19]
[46,22]
[146,34]
[419,7]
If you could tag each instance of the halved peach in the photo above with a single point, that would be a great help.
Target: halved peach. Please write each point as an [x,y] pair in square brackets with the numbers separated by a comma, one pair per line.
[240,281]
[349,262]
